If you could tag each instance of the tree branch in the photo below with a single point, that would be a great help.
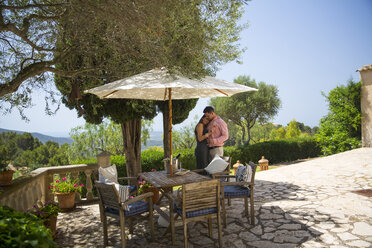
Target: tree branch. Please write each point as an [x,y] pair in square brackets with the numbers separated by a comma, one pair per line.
[26,73]
[23,35]
[34,70]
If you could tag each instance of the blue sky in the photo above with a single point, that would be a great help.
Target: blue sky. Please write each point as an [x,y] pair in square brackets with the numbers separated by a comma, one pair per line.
[303,47]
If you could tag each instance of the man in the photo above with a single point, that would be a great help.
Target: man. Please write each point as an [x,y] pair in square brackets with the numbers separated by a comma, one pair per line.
[219,133]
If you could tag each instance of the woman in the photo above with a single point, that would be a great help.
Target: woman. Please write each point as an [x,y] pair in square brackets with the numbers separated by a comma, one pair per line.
[201,150]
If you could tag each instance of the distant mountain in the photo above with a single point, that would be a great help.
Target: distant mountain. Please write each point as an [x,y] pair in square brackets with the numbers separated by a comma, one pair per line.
[156,138]
[42,137]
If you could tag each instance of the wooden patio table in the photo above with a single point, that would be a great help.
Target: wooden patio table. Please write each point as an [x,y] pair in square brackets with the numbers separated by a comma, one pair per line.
[165,183]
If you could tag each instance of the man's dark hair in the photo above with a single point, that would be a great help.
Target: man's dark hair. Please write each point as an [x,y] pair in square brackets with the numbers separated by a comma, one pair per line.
[208,109]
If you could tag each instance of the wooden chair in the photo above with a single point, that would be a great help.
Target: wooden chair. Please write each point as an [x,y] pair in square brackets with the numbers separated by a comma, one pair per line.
[239,190]
[199,201]
[111,205]
[225,172]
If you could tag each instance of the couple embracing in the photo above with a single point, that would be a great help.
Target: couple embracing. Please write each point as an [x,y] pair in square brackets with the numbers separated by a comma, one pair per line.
[211,133]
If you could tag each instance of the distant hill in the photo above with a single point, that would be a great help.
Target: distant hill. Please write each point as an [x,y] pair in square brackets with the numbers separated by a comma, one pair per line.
[42,137]
[156,138]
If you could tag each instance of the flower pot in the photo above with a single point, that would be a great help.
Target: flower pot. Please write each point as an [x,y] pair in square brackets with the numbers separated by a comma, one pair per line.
[155,197]
[66,201]
[51,223]
[6,177]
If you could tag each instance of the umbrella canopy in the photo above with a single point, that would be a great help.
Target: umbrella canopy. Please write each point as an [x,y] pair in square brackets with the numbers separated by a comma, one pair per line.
[154,84]
[159,84]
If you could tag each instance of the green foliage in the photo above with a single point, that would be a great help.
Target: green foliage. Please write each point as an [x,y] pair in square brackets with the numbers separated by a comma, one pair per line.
[278,150]
[90,139]
[292,130]
[261,132]
[185,137]
[187,158]
[24,150]
[275,150]
[152,158]
[340,130]
[19,229]
[278,134]
[245,109]
[191,37]
[4,167]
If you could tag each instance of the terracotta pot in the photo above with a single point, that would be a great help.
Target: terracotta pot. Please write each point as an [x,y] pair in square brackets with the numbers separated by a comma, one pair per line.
[66,201]
[6,177]
[155,197]
[51,223]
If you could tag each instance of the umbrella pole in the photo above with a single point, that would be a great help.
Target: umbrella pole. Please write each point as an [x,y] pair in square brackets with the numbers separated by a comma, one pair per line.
[170,130]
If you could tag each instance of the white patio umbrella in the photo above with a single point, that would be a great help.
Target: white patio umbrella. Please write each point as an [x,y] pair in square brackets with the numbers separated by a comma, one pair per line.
[158,84]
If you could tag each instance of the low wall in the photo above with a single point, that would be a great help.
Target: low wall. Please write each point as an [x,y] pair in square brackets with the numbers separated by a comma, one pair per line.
[26,191]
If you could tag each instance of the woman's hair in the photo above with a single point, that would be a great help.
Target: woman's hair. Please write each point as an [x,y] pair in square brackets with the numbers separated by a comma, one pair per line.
[201,119]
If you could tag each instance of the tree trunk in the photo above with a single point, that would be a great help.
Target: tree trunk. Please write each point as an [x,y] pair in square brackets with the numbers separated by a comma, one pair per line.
[131,131]
[248,135]
[166,133]
[249,127]
[243,134]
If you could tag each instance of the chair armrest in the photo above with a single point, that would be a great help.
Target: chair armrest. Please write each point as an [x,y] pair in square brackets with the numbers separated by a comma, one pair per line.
[137,198]
[237,183]
[223,176]
[127,178]
[198,170]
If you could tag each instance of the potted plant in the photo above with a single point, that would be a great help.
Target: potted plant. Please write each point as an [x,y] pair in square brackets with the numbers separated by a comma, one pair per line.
[65,190]
[145,187]
[6,174]
[48,213]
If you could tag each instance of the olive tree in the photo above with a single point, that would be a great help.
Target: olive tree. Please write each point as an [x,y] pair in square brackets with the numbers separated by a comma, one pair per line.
[247,108]
[191,37]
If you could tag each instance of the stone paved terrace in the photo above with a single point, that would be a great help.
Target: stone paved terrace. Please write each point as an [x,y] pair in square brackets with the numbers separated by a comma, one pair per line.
[324,202]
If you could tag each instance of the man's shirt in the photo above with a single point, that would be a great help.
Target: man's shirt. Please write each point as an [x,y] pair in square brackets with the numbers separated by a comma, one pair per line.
[220,132]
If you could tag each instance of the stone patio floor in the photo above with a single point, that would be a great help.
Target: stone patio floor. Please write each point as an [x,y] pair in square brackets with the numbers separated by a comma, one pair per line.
[324,202]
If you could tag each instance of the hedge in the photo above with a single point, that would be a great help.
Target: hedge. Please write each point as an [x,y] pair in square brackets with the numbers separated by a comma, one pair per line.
[275,151]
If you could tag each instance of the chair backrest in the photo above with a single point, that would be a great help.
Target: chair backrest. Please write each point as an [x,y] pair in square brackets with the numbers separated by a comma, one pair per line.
[253,167]
[228,160]
[108,195]
[200,195]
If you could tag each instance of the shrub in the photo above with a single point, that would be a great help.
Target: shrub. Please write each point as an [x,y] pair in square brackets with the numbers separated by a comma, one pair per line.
[152,158]
[275,151]
[18,229]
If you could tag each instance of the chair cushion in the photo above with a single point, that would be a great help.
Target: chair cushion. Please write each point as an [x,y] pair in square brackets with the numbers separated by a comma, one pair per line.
[236,191]
[216,165]
[108,174]
[196,213]
[132,188]
[244,174]
[137,207]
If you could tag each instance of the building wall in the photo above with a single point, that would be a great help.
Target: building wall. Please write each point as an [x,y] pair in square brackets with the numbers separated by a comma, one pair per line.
[366,105]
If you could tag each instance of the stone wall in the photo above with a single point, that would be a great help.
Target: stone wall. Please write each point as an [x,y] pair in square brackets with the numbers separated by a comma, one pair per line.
[366,104]
[31,189]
